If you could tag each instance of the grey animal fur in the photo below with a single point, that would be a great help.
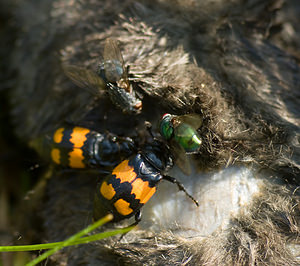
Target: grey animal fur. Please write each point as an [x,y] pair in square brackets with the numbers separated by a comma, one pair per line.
[221,58]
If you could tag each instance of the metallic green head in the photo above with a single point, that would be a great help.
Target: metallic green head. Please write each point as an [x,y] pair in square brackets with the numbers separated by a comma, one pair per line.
[166,128]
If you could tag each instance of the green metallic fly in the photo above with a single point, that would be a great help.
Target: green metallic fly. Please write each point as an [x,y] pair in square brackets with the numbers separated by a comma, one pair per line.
[181,133]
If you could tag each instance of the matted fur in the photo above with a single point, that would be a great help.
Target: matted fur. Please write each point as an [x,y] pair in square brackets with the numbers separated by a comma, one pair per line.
[227,60]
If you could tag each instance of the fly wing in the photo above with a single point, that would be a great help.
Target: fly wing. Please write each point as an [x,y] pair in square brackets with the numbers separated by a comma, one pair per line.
[112,51]
[180,157]
[113,62]
[85,79]
[194,120]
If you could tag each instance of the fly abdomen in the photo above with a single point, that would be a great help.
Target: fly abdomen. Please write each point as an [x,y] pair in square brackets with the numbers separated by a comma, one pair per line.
[127,101]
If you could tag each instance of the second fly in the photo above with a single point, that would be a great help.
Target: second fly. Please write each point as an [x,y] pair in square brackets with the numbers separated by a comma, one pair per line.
[112,76]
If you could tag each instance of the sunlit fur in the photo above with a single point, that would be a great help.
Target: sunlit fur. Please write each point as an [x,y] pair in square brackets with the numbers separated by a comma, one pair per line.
[231,60]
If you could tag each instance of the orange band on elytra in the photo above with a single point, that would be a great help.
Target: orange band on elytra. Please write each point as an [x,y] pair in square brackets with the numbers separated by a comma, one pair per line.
[107,191]
[122,207]
[78,136]
[124,172]
[142,191]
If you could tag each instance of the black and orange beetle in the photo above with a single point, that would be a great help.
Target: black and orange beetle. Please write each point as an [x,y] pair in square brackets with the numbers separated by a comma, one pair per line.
[79,147]
[133,182]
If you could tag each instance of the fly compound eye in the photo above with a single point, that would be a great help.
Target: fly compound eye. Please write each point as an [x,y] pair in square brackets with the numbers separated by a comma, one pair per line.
[166,116]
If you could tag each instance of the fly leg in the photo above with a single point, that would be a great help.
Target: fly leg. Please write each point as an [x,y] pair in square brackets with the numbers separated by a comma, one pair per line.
[180,187]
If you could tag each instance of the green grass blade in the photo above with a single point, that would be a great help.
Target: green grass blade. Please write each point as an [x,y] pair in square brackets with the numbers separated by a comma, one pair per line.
[81,240]
[71,239]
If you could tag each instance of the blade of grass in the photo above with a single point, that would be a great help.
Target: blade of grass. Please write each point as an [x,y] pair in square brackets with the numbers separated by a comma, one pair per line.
[81,240]
[71,239]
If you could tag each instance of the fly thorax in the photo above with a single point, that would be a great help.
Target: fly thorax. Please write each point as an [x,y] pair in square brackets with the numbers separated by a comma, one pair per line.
[113,70]
[187,137]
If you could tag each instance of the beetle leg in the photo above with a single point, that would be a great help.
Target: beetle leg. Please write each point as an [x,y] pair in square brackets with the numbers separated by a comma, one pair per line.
[180,187]
[127,69]
[138,218]
[149,128]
